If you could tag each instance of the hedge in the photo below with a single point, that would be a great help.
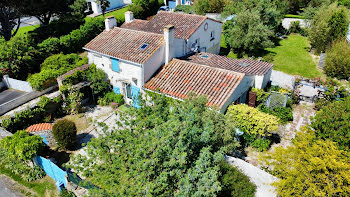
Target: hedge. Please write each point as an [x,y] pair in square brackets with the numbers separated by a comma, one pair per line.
[65,133]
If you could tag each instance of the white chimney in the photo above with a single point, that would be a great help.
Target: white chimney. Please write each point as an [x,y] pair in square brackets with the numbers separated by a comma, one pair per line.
[110,23]
[129,17]
[178,2]
[169,37]
[165,2]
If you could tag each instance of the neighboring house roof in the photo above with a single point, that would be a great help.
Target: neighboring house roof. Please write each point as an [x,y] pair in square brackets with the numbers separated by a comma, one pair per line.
[136,24]
[185,24]
[126,44]
[39,127]
[180,77]
[247,66]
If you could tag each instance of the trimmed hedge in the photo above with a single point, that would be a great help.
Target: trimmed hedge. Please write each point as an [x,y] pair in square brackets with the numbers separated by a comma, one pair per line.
[65,133]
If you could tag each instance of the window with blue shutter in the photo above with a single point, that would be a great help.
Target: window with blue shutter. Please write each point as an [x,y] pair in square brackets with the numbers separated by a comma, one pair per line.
[116,90]
[115,65]
[135,92]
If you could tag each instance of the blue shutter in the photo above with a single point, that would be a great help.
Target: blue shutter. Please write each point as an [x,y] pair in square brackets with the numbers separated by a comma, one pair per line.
[115,65]
[135,93]
[116,90]
[44,139]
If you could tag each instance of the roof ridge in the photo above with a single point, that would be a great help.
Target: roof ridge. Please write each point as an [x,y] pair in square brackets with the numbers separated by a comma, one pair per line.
[215,68]
[138,31]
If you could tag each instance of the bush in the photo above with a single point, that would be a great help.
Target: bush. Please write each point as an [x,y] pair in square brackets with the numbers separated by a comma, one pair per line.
[234,182]
[184,8]
[338,60]
[261,144]
[66,193]
[65,133]
[285,114]
[53,67]
[111,97]
[261,95]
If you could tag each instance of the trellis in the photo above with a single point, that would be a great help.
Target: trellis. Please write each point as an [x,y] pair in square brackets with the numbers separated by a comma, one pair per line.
[277,99]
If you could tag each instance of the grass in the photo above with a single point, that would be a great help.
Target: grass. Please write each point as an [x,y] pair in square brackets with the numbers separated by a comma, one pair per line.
[43,187]
[80,121]
[23,30]
[293,57]
[293,16]
[118,14]
[123,108]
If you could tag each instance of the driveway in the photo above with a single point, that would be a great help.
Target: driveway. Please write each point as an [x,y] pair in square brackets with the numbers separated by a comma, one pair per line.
[5,191]
[7,95]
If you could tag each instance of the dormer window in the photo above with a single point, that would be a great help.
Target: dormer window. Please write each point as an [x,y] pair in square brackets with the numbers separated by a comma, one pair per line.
[144,46]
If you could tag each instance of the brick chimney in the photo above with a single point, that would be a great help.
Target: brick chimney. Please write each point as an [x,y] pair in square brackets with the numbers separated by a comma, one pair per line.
[129,17]
[110,22]
[169,37]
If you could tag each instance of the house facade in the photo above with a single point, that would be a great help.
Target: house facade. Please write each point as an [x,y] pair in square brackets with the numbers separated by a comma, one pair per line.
[95,8]
[174,54]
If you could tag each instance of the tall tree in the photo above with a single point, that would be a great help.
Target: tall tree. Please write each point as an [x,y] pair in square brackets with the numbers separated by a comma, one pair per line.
[104,5]
[144,8]
[9,18]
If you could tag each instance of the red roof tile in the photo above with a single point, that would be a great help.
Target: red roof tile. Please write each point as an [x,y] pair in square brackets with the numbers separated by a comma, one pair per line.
[126,44]
[185,24]
[180,77]
[39,127]
[252,67]
[136,24]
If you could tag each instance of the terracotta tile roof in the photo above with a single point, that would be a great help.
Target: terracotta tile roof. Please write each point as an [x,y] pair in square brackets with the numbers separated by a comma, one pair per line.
[180,77]
[185,24]
[249,66]
[126,44]
[136,24]
[39,127]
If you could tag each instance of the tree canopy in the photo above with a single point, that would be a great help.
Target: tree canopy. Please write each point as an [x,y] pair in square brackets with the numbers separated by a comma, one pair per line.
[144,8]
[9,18]
[168,149]
[338,60]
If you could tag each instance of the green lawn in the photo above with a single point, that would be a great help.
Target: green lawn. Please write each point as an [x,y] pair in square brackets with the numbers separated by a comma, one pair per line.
[23,30]
[293,57]
[118,14]
[293,16]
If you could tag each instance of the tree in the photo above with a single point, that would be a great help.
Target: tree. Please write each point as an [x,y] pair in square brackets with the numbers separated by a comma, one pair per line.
[246,34]
[99,85]
[333,122]
[310,167]
[65,133]
[201,6]
[330,23]
[9,18]
[22,145]
[144,8]
[338,60]
[104,5]
[170,148]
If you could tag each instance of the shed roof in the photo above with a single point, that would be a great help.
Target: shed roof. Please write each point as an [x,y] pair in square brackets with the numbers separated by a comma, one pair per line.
[180,77]
[39,127]
[247,66]
[126,44]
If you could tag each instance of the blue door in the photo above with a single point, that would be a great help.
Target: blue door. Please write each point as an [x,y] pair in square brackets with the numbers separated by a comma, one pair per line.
[135,93]
[116,90]
[115,65]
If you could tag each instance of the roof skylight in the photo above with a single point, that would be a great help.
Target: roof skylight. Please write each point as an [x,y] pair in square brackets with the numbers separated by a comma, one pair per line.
[144,46]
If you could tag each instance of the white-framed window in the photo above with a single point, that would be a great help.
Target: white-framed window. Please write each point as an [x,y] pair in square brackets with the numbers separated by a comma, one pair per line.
[212,35]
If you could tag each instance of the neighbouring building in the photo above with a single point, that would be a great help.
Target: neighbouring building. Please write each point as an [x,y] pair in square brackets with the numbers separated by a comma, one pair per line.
[95,8]
[176,54]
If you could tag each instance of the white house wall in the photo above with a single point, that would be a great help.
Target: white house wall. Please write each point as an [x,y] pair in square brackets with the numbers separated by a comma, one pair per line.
[154,63]
[96,8]
[205,42]
[241,90]
[262,80]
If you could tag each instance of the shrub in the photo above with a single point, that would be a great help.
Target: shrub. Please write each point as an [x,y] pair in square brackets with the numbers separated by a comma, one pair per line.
[99,84]
[285,114]
[261,144]
[111,97]
[66,193]
[184,8]
[261,95]
[65,133]
[251,120]
[338,60]
[234,182]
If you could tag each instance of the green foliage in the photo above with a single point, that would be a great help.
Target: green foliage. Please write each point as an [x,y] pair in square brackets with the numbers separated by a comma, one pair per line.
[261,144]
[98,78]
[234,182]
[310,167]
[72,103]
[46,111]
[21,145]
[184,8]
[345,3]
[164,149]
[247,34]
[295,28]
[111,97]
[104,5]
[261,95]
[144,8]
[330,23]
[251,120]
[338,60]
[65,133]
[66,193]
[285,114]
[335,91]
[332,122]
[53,67]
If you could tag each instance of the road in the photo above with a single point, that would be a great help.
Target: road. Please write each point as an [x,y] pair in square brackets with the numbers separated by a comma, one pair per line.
[29,21]
[5,191]
[9,94]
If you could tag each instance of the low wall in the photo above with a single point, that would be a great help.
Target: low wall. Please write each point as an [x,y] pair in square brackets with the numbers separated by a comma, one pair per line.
[23,86]
[23,99]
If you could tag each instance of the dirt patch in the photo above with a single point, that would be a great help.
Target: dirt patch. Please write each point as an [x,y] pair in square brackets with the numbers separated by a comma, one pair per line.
[81,122]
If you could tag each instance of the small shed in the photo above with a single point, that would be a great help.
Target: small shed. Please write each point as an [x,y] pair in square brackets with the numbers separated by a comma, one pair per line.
[43,130]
